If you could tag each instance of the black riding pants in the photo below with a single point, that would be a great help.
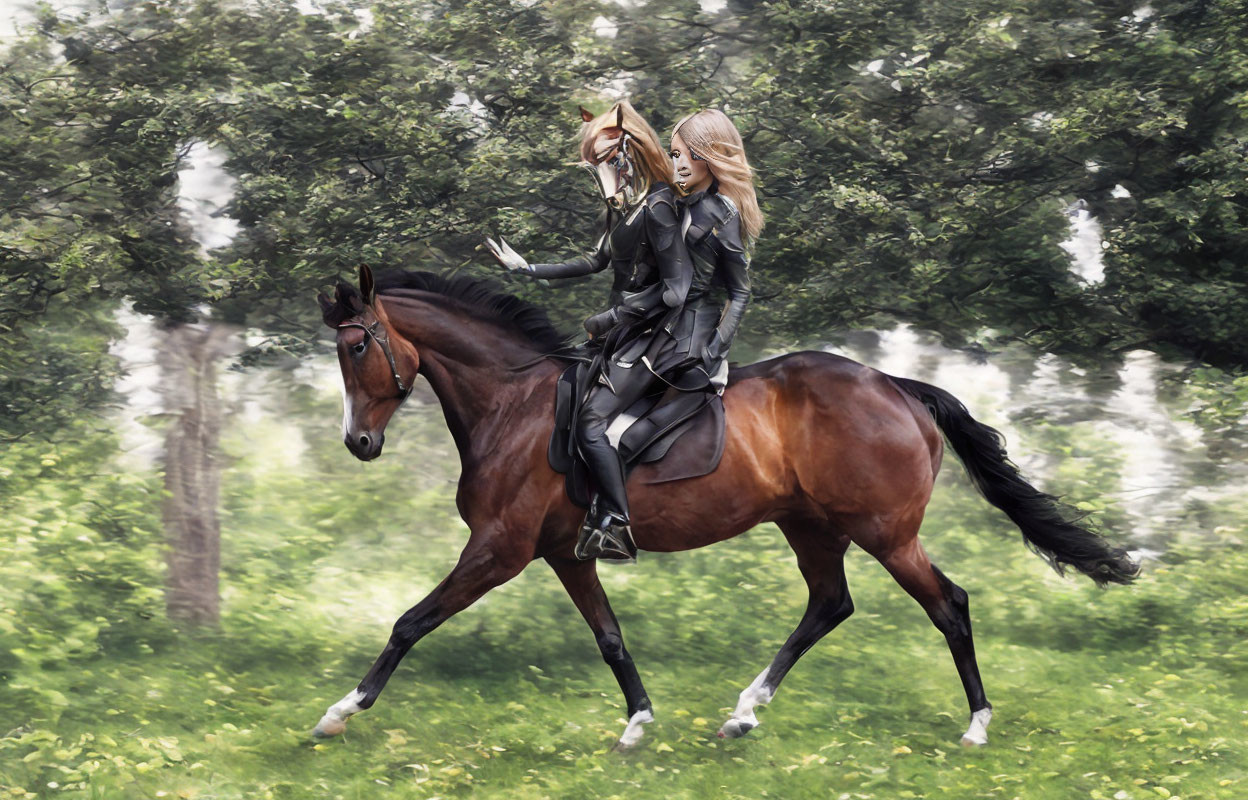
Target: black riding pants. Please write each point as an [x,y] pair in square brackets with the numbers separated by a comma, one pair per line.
[600,409]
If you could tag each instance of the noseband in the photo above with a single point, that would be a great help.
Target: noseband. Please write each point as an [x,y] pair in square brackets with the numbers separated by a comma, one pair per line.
[383,341]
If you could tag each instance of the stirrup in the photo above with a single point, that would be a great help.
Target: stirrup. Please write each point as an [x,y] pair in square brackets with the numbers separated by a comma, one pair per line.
[609,540]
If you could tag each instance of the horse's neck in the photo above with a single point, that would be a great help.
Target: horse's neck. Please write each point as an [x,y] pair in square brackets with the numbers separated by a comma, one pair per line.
[470,366]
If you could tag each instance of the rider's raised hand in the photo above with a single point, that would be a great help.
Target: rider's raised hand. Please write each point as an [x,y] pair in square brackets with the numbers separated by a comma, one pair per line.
[506,256]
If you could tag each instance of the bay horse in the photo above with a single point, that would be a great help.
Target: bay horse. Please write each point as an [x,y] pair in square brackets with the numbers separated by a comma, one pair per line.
[830,450]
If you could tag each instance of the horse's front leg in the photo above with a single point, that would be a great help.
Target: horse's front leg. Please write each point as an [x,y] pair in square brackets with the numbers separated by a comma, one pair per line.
[580,578]
[487,561]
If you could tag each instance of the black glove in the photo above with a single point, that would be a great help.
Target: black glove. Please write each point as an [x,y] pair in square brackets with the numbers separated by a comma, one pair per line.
[714,347]
[600,323]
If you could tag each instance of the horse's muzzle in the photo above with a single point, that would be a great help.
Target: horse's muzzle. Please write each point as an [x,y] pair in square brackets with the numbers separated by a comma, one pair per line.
[365,446]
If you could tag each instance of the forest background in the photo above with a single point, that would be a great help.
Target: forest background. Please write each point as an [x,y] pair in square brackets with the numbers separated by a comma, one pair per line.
[1041,207]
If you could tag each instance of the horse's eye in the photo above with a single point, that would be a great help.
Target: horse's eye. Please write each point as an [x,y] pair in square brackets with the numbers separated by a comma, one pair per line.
[359,348]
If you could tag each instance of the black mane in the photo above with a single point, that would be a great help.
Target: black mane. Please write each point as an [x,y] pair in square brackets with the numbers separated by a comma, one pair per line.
[488,300]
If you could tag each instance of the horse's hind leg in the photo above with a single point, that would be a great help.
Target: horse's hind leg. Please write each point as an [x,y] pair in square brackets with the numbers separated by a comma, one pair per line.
[946,604]
[580,578]
[821,558]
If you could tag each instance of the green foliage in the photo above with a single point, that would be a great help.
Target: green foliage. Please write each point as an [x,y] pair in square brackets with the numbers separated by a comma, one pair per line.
[81,569]
[930,189]
[53,369]
[1220,401]
[915,159]
[1132,689]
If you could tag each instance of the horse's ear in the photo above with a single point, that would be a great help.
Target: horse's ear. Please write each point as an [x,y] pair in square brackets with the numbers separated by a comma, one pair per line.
[619,117]
[328,307]
[366,284]
[585,115]
[349,299]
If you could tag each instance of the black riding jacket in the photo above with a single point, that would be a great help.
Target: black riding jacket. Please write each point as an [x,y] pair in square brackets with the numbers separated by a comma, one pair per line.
[713,237]
[646,252]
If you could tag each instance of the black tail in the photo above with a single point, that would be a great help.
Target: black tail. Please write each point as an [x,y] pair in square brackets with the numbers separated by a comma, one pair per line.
[1048,525]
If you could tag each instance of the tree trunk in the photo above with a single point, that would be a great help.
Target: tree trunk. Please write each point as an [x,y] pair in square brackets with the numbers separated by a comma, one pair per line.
[193,470]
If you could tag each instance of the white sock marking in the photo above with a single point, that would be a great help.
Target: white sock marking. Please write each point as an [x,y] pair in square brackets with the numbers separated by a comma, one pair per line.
[348,705]
[335,719]
[977,733]
[743,719]
[632,733]
[756,694]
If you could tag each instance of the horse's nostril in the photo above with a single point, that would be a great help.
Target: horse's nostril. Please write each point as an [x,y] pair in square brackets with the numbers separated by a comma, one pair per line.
[363,441]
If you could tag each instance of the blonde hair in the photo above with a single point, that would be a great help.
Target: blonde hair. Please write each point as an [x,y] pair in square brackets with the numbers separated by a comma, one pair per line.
[648,152]
[711,135]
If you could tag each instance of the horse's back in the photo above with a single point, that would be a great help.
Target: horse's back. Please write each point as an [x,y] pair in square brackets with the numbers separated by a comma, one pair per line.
[800,364]
[826,380]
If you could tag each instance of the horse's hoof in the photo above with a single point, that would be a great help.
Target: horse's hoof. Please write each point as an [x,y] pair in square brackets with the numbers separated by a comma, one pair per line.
[632,733]
[736,728]
[335,720]
[328,728]
[977,734]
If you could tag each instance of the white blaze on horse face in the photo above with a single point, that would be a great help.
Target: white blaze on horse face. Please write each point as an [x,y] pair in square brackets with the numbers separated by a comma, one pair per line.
[346,412]
[632,732]
[743,720]
[977,734]
[335,720]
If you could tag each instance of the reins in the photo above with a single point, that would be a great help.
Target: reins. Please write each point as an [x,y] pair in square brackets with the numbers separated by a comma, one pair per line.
[566,352]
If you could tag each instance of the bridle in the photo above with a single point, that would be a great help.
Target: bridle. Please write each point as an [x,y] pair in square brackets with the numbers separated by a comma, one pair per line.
[383,341]
[630,188]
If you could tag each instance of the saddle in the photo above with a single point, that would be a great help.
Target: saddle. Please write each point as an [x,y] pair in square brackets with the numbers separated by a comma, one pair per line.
[681,432]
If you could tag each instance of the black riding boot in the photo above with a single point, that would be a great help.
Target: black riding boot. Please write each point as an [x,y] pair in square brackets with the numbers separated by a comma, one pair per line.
[606,533]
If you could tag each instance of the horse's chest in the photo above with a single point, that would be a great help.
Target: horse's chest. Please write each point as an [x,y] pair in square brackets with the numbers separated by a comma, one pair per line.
[492,480]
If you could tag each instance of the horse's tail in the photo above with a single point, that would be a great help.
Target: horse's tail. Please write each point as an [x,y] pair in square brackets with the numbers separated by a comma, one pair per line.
[1049,526]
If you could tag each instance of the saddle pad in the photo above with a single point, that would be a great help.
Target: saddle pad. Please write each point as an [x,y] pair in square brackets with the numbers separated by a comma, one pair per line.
[680,433]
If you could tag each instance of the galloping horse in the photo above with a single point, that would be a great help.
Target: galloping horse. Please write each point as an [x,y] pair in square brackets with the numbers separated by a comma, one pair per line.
[831,451]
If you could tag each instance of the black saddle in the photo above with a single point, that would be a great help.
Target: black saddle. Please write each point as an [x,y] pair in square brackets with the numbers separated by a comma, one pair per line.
[681,432]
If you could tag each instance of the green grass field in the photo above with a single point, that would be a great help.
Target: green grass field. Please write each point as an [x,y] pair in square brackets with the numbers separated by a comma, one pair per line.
[1135,692]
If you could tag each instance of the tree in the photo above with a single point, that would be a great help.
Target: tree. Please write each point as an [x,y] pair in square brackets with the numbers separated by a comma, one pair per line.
[916,162]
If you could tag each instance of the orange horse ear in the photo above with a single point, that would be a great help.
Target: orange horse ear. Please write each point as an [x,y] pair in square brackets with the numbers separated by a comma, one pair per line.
[619,117]
[585,115]
[366,284]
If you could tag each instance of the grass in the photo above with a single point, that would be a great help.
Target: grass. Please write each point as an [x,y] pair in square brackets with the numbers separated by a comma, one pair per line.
[1127,693]
[1135,692]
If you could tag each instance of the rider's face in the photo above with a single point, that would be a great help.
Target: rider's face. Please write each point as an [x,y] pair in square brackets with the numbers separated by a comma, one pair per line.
[692,173]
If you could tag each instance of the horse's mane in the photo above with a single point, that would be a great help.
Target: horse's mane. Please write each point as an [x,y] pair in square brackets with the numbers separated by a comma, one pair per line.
[487,300]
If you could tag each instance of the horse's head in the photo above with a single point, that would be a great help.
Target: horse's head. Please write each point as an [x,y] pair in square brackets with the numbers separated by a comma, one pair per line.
[378,365]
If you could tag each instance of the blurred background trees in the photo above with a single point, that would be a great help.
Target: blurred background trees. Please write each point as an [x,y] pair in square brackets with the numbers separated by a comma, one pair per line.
[918,163]
[926,170]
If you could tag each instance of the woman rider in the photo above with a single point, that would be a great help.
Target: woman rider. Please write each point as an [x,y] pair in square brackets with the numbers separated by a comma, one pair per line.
[722,223]
[643,244]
